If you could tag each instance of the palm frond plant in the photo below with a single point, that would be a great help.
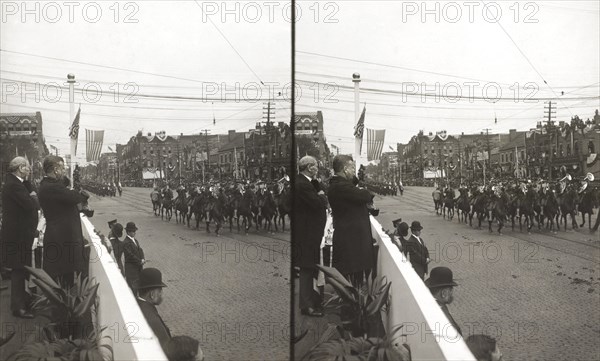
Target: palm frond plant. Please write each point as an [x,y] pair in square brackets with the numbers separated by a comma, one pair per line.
[360,307]
[71,333]
[68,309]
[337,344]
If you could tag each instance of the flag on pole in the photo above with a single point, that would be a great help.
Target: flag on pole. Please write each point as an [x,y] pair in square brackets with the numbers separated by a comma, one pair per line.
[392,149]
[74,132]
[53,148]
[375,139]
[360,127]
[110,149]
[93,143]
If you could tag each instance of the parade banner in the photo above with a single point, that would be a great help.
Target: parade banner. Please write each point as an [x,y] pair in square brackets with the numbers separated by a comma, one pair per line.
[93,142]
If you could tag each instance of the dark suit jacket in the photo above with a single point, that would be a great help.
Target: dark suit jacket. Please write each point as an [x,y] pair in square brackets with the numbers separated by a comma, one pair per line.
[444,308]
[308,222]
[63,240]
[134,255]
[418,255]
[155,322]
[353,249]
[19,222]
[117,246]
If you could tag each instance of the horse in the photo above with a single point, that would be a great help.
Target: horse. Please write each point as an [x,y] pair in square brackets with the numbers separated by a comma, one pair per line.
[567,202]
[268,210]
[498,204]
[550,207]
[437,200]
[463,207]
[214,208]
[586,206]
[247,204]
[284,205]
[527,209]
[181,206]
[155,197]
[448,201]
[166,206]
[478,205]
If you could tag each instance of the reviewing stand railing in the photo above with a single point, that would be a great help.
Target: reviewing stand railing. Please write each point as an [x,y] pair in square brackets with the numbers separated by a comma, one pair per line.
[428,332]
[130,335]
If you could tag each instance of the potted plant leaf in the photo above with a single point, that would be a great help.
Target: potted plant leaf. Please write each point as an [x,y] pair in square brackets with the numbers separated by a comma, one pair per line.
[360,307]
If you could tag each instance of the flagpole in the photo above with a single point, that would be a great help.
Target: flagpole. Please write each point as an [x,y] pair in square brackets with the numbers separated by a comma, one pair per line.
[357,142]
[71,82]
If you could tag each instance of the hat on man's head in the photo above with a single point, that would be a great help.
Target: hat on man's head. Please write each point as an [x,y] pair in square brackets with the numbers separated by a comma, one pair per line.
[416,226]
[403,229]
[130,227]
[150,278]
[440,277]
[112,223]
[117,229]
[396,222]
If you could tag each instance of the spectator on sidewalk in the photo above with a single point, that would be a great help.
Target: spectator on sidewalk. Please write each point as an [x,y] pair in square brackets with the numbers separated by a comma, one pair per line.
[441,284]
[116,232]
[416,250]
[134,257]
[484,348]
[19,222]
[183,348]
[150,289]
[64,252]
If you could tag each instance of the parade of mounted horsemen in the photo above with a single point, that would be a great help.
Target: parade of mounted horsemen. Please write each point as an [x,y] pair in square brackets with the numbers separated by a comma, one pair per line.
[547,204]
[259,204]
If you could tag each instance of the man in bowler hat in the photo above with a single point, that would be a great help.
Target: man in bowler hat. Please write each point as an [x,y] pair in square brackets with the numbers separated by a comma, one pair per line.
[441,284]
[150,288]
[116,232]
[134,257]
[399,236]
[416,250]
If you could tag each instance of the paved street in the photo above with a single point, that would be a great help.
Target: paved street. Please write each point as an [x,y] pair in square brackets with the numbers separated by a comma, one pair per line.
[230,292]
[538,294]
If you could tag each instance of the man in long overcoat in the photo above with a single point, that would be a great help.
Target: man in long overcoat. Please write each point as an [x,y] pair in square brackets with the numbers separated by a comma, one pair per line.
[134,257]
[64,252]
[308,223]
[353,251]
[416,250]
[19,222]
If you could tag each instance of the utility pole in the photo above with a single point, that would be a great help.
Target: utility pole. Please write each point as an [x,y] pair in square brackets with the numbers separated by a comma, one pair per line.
[207,162]
[551,113]
[489,152]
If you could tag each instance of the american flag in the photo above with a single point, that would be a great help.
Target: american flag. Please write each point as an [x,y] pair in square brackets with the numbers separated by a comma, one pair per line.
[360,127]
[93,142]
[375,139]
[74,130]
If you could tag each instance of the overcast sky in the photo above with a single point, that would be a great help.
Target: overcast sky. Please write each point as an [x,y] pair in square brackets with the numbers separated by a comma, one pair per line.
[391,47]
[165,48]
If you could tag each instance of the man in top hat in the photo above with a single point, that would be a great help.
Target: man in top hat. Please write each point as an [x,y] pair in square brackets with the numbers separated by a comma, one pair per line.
[416,250]
[134,257]
[150,288]
[441,284]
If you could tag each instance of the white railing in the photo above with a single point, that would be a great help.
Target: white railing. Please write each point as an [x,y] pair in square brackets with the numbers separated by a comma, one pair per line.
[130,335]
[428,332]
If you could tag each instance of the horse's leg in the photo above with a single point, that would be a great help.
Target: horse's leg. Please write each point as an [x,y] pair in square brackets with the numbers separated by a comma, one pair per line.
[583,219]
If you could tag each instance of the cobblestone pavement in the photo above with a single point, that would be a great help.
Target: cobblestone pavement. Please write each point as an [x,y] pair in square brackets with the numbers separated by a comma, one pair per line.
[538,294]
[230,292]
